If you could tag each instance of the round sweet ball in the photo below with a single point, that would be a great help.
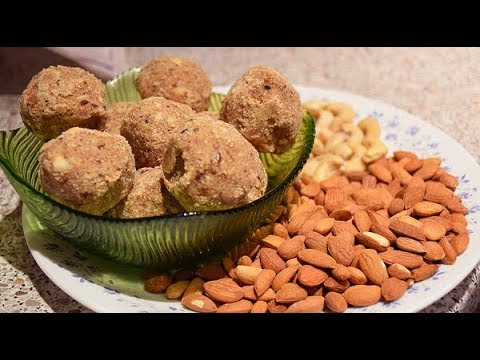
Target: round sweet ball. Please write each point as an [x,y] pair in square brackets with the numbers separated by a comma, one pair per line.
[149,126]
[113,120]
[61,97]
[177,79]
[265,108]
[210,166]
[148,197]
[87,170]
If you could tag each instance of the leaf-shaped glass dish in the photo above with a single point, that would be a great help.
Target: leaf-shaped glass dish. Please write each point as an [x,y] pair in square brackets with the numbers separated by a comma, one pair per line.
[165,241]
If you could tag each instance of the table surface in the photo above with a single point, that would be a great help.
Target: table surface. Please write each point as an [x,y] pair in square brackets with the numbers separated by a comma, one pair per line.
[441,85]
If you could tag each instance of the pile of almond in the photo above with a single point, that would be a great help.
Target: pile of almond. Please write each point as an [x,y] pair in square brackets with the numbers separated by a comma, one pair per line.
[353,239]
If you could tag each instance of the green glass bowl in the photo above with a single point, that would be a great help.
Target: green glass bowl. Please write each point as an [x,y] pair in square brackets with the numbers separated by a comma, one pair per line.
[165,241]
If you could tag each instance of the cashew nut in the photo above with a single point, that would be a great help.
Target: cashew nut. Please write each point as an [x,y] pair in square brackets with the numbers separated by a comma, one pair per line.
[370,127]
[342,111]
[375,151]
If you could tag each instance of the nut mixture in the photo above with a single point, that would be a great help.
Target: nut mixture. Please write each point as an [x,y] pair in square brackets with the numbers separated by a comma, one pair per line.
[340,145]
[350,240]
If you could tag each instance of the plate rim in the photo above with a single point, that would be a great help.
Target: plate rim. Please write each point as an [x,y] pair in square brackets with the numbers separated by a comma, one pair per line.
[43,261]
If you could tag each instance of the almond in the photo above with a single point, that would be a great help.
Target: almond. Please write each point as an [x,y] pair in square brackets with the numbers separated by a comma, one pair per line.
[311,189]
[195,287]
[414,192]
[280,231]
[317,258]
[459,228]
[380,172]
[256,263]
[427,208]
[158,283]
[402,228]
[377,219]
[343,226]
[437,192]
[433,231]
[409,260]
[341,272]
[247,274]
[449,181]
[320,198]
[324,226]
[293,262]
[412,221]
[341,249]
[393,289]
[290,248]
[394,187]
[176,290]
[369,181]
[249,292]
[335,302]
[345,236]
[445,222]
[355,175]
[400,173]
[334,182]
[341,215]
[373,241]
[211,272]
[185,274]
[229,267]
[455,207]
[335,199]
[457,217]
[372,197]
[460,242]
[290,293]
[310,276]
[259,307]
[402,154]
[316,241]
[410,245]
[199,303]
[272,241]
[297,221]
[245,260]
[223,291]
[383,230]
[362,295]
[425,271]
[434,251]
[399,271]
[413,165]
[270,260]
[242,306]
[312,304]
[263,281]
[450,253]
[283,277]
[362,220]
[267,296]
[357,277]
[372,266]
[396,205]
[428,169]
[274,307]
[332,284]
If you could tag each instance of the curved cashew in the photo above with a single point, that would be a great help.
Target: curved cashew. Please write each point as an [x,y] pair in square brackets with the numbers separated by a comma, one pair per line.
[375,151]
[342,111]
[333,140]
[314,107]
[324,119]
[354,164]
[343,150]
[370,127]
[356,136]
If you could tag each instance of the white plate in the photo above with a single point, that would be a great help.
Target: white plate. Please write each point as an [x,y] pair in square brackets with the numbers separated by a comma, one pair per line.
[107,287]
